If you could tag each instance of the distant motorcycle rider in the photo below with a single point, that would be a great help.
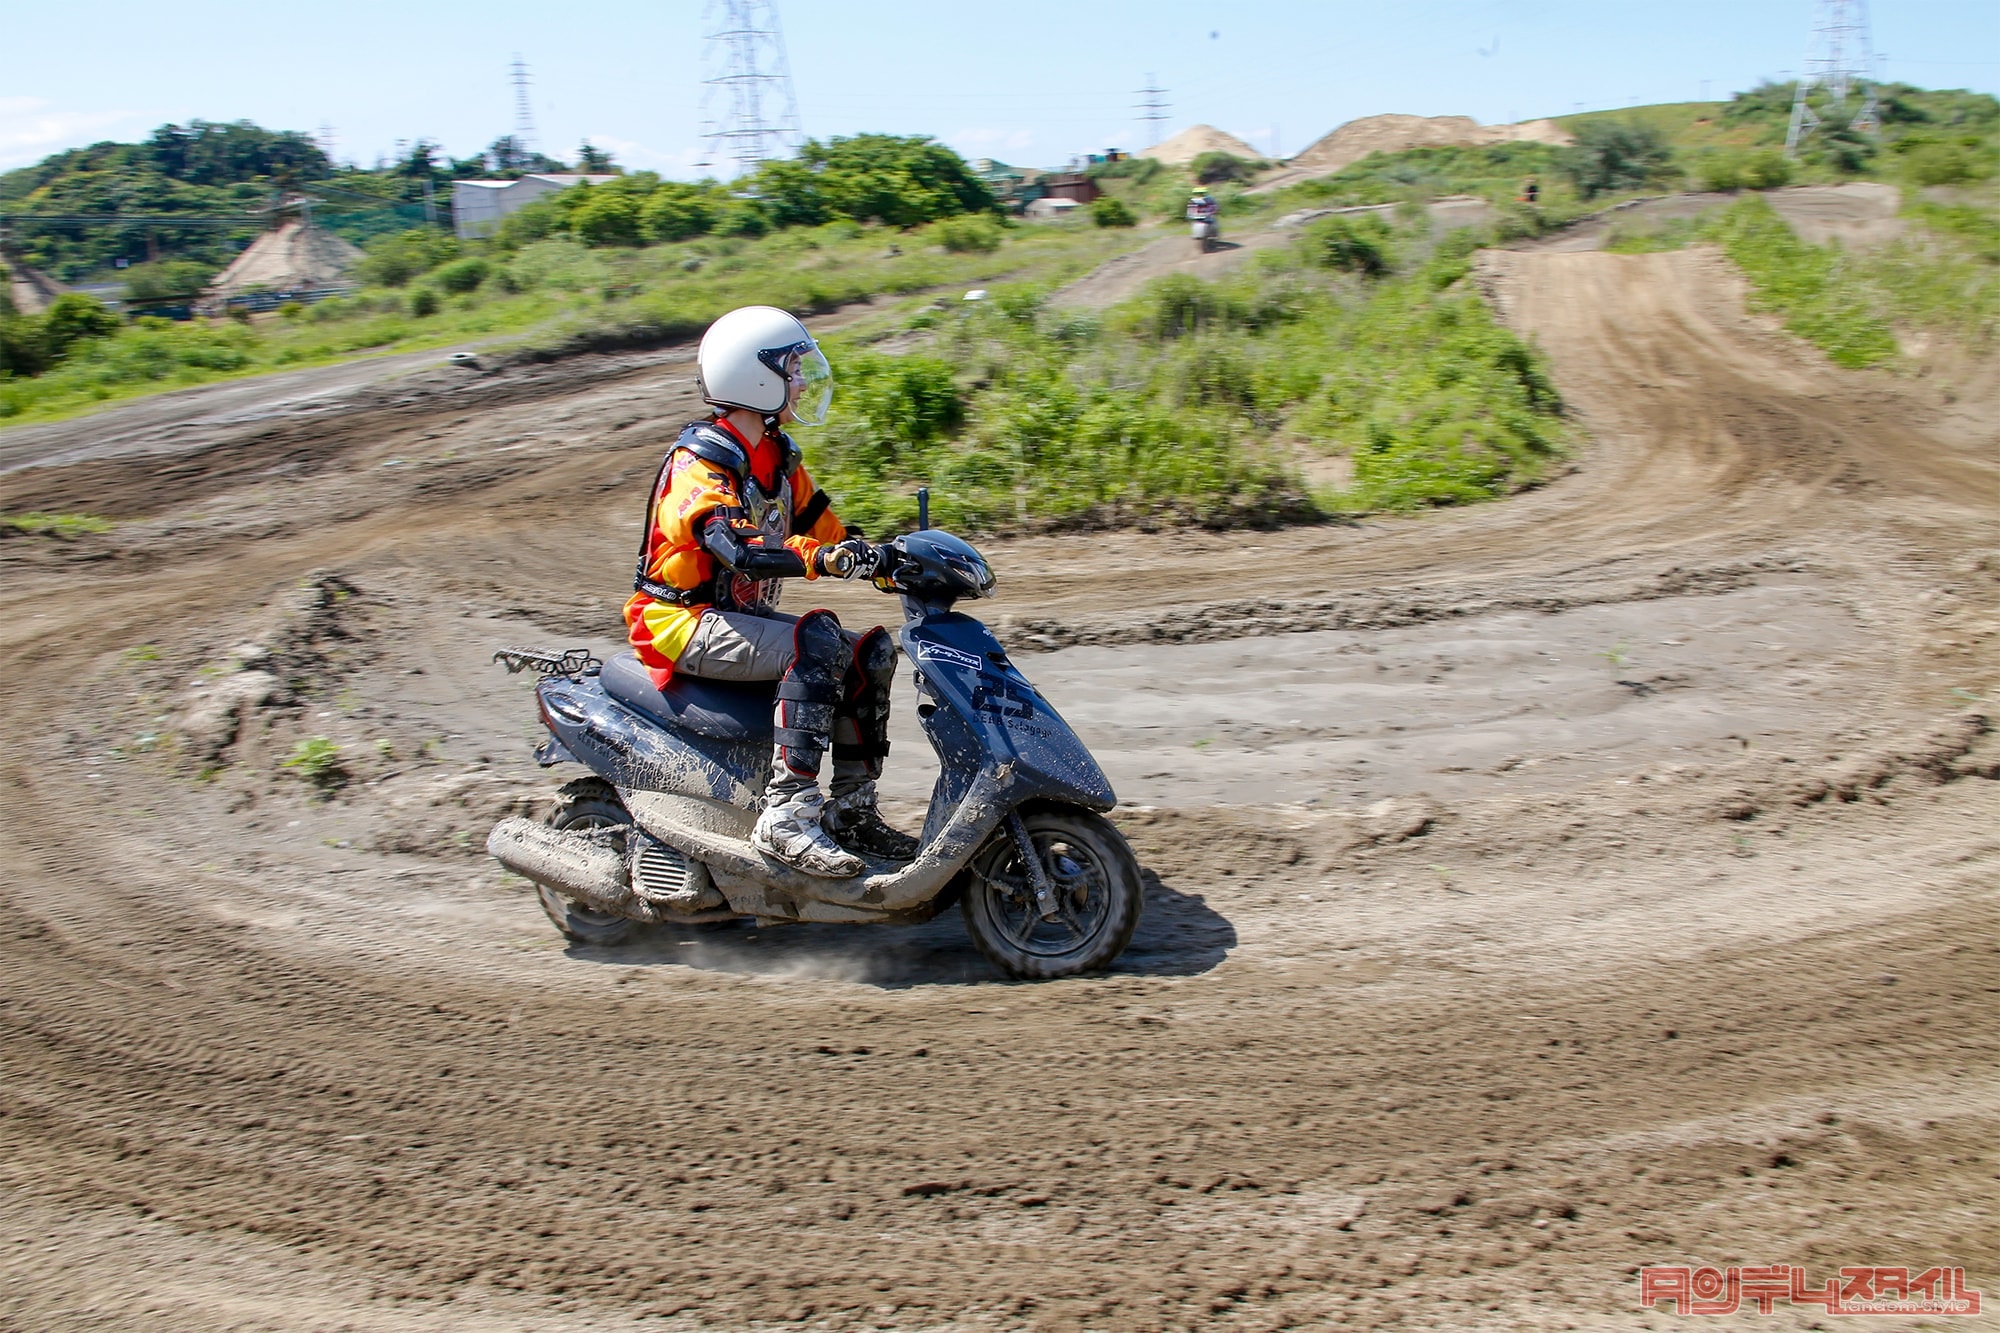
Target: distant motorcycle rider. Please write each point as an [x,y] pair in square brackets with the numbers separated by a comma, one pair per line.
[1203,208]
[732,512]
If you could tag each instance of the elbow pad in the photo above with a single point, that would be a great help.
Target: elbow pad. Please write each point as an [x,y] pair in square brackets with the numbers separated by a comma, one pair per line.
[742,548]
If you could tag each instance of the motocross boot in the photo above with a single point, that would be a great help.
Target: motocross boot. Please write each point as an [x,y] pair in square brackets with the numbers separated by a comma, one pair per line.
[860,744]
[789,829]
[857,825]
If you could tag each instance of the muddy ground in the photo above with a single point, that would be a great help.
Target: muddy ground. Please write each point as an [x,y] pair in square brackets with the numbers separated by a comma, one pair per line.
[1538,891]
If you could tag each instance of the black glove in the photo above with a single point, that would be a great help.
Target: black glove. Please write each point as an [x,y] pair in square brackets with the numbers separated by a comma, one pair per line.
[852,558]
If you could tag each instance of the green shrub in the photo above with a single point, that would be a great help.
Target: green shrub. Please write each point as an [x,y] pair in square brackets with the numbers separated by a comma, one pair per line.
[1108,210]
[1349,243]
[969,234]
[676,211]
[1181,304]
[1214,168]
[317,760]
[463,275]
[73,318]
[1613,155]
[166,280]
[1924,161]
[606,217]
[423,302]
[393,260]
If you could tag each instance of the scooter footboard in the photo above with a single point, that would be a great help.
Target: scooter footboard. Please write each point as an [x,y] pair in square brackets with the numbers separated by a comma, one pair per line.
[754,883]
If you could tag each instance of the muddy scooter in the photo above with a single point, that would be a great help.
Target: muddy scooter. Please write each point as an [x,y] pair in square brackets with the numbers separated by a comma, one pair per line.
[1015,833]
[1206,232]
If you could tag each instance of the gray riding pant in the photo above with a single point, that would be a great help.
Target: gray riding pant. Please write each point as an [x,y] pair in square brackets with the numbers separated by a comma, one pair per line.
[742,645]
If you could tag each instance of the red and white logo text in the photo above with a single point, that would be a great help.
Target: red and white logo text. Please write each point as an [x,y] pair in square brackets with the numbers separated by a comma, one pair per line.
[1858,1290]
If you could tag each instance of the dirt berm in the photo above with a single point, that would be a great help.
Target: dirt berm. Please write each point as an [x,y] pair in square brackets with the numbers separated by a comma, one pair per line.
[1538,891]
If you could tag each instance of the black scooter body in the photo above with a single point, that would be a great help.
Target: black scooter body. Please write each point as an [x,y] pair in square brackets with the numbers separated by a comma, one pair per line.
[979,711]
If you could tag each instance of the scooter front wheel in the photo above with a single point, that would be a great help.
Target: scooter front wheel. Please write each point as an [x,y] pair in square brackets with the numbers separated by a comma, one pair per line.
[1098,894]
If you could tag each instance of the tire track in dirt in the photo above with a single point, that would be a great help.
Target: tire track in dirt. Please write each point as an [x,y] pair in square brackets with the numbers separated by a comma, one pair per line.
[1420,1067]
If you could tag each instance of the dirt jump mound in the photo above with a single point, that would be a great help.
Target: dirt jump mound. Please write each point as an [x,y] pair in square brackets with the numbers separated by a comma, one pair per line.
[1195,140]
[1356,139]
[293,258]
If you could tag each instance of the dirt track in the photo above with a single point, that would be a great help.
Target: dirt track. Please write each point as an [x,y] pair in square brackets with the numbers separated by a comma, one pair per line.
[1598,879]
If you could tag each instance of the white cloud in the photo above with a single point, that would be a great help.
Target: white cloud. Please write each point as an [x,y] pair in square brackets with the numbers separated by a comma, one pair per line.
[31,128]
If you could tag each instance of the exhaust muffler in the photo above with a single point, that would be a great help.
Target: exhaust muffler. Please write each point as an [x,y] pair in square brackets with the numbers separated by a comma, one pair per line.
[585,864]
[596,867]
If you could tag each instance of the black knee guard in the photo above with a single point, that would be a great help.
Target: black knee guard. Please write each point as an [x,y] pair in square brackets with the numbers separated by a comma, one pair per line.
[809,694]
[865,699]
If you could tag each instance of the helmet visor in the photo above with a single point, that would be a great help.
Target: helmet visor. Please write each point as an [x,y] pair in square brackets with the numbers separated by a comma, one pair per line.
[809,387]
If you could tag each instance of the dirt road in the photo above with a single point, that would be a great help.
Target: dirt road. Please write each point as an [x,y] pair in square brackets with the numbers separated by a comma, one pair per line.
[1542,890]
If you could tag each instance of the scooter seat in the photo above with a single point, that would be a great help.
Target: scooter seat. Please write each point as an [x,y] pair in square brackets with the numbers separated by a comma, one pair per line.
[724,710]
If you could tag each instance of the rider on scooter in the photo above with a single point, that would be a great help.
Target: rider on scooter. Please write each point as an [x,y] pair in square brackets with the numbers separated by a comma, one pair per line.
[732,512]
[1203,208]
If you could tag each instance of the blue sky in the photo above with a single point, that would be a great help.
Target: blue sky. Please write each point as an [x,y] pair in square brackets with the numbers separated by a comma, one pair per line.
[1029,81]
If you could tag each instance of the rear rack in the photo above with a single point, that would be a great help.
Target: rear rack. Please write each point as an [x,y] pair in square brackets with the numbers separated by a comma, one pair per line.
[569,662]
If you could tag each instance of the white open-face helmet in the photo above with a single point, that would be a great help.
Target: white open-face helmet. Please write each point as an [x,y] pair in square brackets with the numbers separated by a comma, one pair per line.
[762,358]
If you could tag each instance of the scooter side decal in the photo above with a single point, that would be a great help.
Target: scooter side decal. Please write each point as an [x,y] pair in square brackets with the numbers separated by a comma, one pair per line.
[937,652]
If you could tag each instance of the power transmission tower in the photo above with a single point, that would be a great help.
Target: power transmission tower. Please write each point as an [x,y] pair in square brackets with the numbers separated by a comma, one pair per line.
[524,115]
[749,85]
[1152,110]
[1839,58]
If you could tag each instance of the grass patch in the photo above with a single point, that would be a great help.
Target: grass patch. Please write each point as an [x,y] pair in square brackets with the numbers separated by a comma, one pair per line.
[1813,288]
[1943,275]
[558,296]
[1190,402]
[317,760]
[57,525]
[1626,238]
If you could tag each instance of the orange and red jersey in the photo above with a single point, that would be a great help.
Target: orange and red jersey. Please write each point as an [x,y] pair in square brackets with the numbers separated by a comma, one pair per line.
[712,467]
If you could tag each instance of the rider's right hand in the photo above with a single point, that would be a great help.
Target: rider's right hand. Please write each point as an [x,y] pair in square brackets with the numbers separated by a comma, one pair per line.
[852,558]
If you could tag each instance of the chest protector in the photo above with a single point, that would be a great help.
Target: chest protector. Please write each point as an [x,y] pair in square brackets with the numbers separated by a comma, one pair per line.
[769,511]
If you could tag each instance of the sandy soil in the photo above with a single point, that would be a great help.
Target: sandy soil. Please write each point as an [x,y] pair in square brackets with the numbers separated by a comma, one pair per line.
[1538,891]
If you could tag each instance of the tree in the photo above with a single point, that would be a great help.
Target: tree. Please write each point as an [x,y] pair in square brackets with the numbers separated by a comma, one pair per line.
[509,158]
[1615,155]
[206,153]
[903,181]
[594,161]
[675,211]
[606,217]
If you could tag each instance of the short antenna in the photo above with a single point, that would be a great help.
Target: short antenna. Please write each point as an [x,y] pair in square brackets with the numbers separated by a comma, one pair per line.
[923,508]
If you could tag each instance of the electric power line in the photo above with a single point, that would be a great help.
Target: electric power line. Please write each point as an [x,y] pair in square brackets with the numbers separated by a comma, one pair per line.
[752,81]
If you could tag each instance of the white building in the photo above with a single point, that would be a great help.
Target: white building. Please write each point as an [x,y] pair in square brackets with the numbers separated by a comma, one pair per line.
[478,206]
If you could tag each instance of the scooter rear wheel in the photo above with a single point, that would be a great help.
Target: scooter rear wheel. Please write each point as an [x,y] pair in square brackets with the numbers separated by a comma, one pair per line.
[1098,893]
[588,803]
